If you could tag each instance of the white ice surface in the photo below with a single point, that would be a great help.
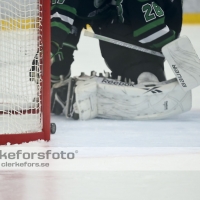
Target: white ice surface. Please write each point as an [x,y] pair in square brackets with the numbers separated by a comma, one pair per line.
[120,160]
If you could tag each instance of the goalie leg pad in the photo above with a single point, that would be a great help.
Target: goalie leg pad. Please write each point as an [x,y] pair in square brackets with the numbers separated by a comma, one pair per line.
[86,98]
[107,98]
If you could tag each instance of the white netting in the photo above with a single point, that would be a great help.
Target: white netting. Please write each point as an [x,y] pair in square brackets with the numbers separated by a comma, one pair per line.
[20,74]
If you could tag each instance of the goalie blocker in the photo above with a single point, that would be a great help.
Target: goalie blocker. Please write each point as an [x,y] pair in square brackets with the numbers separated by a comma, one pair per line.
[107,98]
[184,62]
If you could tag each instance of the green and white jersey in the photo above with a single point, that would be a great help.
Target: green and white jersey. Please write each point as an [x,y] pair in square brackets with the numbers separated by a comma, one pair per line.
[64,13]
[154,22]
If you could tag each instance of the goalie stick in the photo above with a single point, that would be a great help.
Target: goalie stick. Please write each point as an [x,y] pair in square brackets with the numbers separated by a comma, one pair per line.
[123,44]
[179,53]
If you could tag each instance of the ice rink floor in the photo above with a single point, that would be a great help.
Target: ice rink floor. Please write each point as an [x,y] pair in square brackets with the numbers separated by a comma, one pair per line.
[181,131]
[116,160]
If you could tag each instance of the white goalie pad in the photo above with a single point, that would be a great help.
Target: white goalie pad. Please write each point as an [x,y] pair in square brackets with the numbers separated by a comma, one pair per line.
[184,62]
[108,98]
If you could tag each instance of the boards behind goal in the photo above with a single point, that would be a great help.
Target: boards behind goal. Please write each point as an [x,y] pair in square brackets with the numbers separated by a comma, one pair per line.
[24,70]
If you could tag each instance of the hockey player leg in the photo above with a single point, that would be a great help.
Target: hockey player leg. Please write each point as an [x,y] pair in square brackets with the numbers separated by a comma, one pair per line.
[60,75]
[61,72]
[145,72]
[62,67]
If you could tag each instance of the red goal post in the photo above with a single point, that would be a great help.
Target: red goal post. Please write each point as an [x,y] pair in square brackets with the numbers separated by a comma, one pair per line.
[24,71]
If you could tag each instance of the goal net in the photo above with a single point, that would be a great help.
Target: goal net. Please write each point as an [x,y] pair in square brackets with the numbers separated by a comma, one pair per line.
[22,67]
